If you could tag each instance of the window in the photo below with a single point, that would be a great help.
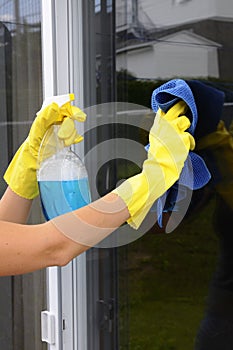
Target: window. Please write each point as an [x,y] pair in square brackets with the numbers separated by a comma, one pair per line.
[145,291]
[150,293]
[21,297]
[97,6]
[109,6]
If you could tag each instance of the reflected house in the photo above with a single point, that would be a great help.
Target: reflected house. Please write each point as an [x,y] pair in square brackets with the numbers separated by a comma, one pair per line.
[183,53]
[166,39]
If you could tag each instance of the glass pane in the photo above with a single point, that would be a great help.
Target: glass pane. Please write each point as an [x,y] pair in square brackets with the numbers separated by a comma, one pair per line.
[22,297]
[170,276]
[99,77]
[157,287]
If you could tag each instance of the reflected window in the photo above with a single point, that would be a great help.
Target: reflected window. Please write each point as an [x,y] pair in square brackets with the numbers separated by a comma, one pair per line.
[109,6]
[97,6]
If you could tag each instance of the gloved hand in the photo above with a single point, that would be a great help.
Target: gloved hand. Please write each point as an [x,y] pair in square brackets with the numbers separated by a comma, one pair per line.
[219,144]
[21,173]
[169,147]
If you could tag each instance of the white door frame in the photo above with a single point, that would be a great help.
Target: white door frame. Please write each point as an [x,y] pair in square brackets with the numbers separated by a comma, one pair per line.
[64,323]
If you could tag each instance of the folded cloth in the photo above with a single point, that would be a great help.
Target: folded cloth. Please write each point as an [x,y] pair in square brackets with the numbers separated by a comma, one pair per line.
[205,107]
[209,102]
[166,95]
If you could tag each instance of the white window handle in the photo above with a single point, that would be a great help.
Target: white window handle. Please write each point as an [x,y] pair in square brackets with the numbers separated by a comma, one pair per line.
[48,327]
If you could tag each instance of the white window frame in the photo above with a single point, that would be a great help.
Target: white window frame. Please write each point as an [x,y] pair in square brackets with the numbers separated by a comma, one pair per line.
[66,287]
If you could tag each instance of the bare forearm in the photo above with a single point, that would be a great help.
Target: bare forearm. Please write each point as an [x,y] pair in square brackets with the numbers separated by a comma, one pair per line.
[26,248]
[89,225]
[14,208]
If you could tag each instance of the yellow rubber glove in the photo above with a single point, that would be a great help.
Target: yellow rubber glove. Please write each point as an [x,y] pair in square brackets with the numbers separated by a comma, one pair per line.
[21,173]
[220,144]
[169,147]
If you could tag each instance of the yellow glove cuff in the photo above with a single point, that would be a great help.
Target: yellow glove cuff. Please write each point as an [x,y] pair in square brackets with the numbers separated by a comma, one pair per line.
[21,173]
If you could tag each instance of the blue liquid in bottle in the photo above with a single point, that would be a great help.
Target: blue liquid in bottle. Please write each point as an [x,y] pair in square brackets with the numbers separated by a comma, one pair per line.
[60,197]
[63,184]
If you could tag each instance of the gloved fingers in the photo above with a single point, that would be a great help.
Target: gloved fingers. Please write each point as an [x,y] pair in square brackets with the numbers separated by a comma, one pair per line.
[189,139]
[68,133]
[183,123]
[74,138]
[175,111]
[73,112]
[78,139]
[52,114]
[66,129]
[78,114]
[65,115]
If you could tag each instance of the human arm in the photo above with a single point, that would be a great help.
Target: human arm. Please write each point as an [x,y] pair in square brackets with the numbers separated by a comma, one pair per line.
[14,208]
[26,248]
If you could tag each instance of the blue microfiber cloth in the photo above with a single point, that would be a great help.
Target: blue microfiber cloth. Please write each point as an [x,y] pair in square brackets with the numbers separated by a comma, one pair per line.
[205,107]
[209,102]
[168,94]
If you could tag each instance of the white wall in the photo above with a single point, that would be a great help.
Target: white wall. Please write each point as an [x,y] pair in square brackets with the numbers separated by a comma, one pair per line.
[183,61]
[139,62]
[180,55]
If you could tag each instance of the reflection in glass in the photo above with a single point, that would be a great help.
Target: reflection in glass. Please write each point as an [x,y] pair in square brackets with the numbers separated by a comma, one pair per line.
[22,297]
[161,280]
[168,276]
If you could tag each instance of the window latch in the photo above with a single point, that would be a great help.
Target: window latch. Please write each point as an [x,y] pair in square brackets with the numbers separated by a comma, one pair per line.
[48,327]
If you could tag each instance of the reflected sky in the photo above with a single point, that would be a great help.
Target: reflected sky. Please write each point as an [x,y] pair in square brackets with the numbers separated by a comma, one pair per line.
[15,13]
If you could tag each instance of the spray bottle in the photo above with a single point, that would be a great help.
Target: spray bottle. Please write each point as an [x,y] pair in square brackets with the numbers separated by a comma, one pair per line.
[61,175]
